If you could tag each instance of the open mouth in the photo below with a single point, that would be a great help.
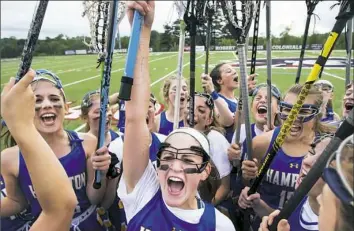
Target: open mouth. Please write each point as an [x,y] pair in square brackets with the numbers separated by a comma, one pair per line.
[182,99]
[295,129]
[48,119]
[236,79]
[349,106]
[175,185]
[262,110]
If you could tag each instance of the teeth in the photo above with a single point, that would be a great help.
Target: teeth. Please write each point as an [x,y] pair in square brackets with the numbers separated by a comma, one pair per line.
[262,107]
[48,115]
[175,179]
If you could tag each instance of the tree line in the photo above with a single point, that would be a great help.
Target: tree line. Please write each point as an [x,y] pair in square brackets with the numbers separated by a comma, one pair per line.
[160,42]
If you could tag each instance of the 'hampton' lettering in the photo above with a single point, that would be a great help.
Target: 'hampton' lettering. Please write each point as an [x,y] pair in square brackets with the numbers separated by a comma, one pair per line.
[282,178]
[78,182]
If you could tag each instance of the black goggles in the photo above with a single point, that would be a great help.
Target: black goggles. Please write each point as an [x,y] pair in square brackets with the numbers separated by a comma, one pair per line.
[306,113]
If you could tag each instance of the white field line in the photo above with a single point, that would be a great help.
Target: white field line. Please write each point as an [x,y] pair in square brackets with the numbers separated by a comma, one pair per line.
[334,76]
[96,76]
[152,84]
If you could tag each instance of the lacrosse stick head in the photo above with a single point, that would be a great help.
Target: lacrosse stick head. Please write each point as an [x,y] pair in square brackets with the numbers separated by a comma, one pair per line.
[311,4]
[194,13]
[97,13]
[239,14]
[181,7]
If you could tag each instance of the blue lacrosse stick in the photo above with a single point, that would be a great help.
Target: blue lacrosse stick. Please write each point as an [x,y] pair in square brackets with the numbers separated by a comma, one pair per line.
[127,79]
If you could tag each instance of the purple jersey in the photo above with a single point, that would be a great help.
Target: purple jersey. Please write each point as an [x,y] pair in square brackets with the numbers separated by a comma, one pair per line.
[229,131]
[74,164]
[166,127]
[156,216]
[18,222]
[279,182]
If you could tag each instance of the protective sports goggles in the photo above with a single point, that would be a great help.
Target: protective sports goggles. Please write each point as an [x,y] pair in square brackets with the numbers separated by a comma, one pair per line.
[167,154]
[86,101]
[318,139]
[208,99]
[275,91]
[333,173]
[349,85]
[42,74]
[306,113]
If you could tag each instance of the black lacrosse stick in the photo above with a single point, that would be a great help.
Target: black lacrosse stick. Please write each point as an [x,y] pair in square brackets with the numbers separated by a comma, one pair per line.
[311,5]
[193,17]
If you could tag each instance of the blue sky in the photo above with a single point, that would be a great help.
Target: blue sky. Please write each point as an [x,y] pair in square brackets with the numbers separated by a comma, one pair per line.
[66,17]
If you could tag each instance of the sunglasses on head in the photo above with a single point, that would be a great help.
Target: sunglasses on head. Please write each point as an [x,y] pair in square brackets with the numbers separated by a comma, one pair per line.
[208,99]
[306,113]
[275,91]
[335,178]
[86,101]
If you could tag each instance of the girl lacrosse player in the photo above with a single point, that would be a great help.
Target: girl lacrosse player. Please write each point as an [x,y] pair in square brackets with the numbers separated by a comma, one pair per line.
[17,108]
[90,112]
[163,124]
[305,217]
[205,121]
[166,200]
[221,84]
[279,183]
[76,152]
[327,89]
[336,200]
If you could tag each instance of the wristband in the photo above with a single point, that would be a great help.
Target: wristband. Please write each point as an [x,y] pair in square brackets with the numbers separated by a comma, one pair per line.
[214,95]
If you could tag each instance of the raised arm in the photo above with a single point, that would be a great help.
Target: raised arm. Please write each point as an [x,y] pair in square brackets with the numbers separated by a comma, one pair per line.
[136,138]
[53,188]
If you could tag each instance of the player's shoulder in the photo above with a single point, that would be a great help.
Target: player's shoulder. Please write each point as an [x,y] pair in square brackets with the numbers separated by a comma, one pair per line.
[89,142]
[216,136]
[10,159]
[223,222]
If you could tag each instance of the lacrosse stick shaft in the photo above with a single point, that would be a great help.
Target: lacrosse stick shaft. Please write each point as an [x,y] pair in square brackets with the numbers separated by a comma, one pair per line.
[127,79]
[208,35]
[179,75]
[345,130]
[244,89]
[105,83]
[192,71]
[349,43]
[303,48]
[32,38]
[255,38]
[269,64]
[312,77]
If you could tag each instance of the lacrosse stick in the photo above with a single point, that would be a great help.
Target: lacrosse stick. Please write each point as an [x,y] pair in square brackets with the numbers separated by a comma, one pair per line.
[240,15]
[210,10]
[349,44]
[181,8]
[98,24]
[127,79]
[269,64]
[341,21]
[255,38]
[193,17]
[98,15]
[311,5]
[32,38]
[344,131]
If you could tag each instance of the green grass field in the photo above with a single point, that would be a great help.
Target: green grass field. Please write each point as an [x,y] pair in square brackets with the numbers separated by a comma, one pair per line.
[79,74]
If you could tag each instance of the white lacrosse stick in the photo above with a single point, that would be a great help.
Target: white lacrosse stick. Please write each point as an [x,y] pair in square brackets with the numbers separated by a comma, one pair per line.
[181,8]
[97,14]
[240,15]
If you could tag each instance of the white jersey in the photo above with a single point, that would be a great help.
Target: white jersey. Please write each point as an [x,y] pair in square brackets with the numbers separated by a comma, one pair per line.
[218,152]
[145,190]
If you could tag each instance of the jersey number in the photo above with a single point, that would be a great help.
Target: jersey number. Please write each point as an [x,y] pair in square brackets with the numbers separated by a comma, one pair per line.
[284,196]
